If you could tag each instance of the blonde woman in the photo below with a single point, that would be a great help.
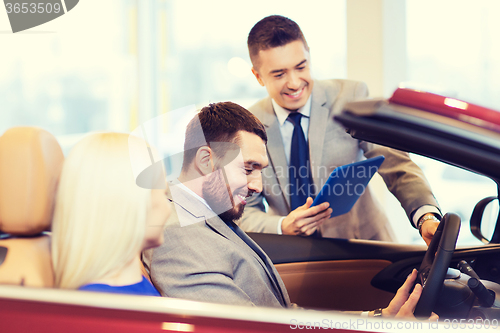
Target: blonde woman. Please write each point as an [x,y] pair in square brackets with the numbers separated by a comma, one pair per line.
[103,219]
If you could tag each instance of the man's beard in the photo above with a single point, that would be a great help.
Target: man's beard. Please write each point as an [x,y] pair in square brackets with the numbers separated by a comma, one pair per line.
[219,197]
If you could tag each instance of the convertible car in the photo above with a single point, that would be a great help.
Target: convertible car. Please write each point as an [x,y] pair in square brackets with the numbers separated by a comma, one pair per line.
[461,285]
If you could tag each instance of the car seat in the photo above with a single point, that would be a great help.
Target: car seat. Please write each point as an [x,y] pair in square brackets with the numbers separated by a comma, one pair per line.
[31,160]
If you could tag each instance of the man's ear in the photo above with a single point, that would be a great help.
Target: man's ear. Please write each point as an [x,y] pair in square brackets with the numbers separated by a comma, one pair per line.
[257,76]
[204,160]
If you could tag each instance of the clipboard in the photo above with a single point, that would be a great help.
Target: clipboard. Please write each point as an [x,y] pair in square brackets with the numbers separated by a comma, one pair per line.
[346,184]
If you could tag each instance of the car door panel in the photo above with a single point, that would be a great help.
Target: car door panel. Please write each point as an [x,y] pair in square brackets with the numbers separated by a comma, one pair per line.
[330,284]
[356,275]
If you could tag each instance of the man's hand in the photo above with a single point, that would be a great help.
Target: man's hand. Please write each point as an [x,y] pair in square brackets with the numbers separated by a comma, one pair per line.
[305,219]
[403,304]
[428,229]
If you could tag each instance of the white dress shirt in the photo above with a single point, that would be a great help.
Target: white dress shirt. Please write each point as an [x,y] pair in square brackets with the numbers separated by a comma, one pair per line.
[286,127]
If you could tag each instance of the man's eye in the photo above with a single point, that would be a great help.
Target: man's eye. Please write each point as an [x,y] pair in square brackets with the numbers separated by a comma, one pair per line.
[301,68]
[278,75]
[248,171]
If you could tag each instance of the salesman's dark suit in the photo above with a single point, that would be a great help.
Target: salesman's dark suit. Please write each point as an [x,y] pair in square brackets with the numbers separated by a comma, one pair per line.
[205,260]
[330,146]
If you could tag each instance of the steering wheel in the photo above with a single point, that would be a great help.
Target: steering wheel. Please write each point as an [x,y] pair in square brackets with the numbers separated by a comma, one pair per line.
[433,269]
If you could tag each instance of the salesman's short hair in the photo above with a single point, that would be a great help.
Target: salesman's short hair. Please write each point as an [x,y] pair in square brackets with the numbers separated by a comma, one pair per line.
[219,122]
[272,31]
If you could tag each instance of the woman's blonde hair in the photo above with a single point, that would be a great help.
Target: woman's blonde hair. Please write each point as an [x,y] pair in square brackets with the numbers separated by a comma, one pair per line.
[100,215]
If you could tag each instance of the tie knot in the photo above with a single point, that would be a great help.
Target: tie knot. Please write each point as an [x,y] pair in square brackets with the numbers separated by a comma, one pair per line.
[294,117]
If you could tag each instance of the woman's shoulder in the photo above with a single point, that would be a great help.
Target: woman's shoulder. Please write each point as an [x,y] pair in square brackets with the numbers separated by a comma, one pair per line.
[141,288]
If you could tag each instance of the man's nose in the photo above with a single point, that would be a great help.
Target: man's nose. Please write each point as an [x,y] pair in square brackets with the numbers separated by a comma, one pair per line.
[293,81]
[255,184]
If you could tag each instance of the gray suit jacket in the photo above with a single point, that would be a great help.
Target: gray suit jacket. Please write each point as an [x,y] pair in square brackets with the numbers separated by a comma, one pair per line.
[207,261]
[330,146]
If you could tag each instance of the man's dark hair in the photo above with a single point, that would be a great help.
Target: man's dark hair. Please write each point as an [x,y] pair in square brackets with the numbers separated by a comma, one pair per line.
[273,31]
[219,122]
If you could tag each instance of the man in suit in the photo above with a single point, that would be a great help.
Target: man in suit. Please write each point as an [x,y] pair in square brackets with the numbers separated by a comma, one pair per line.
[205,255]
[281,63]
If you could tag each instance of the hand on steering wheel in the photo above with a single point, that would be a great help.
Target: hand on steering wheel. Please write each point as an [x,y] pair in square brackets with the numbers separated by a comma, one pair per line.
[433,269]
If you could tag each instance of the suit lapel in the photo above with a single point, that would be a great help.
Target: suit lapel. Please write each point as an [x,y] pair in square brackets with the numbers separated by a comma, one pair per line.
[239,237]
[270,270]
[316,137]
[317,129]
[276,152]
[198,212]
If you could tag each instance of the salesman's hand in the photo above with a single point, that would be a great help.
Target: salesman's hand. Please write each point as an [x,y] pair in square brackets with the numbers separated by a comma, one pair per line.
[403,304]
[428,229]
[305,219]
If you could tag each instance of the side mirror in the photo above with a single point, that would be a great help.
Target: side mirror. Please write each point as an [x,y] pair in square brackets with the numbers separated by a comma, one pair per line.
[484,220]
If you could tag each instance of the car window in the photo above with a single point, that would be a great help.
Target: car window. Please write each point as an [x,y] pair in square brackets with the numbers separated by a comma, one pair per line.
[457,190]
[451,173]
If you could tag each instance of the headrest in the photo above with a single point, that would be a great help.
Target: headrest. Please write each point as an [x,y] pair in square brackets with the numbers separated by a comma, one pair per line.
[30,165]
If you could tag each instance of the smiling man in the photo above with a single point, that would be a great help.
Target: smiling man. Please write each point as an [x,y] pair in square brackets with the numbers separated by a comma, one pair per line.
[306,144]
[205,255]
[290,60]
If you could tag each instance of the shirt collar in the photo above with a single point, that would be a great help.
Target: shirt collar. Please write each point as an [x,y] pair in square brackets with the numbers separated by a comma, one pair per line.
[282,114]
[188,190]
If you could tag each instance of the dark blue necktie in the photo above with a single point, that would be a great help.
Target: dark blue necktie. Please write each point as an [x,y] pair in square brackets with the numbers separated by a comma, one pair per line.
[298,171]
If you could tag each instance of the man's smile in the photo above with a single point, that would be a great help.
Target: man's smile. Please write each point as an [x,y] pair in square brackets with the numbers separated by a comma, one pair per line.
[297,94]
[242,199]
